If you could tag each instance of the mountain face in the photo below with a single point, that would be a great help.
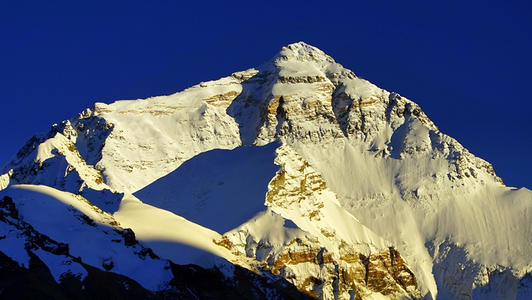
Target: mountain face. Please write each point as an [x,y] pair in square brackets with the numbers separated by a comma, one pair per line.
[295,179]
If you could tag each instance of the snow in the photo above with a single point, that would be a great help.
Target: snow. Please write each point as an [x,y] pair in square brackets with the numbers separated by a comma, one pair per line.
[169,235]
[12,245]
[359,88]
[61,265]
[295,68]
[152,137]
[268,226]
[301,51]
[59,145]
[59,215]
[332,217]
[489,221]
[4,180]
[218,189]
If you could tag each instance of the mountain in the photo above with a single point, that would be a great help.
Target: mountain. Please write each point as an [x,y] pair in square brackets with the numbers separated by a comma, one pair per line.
[294,179]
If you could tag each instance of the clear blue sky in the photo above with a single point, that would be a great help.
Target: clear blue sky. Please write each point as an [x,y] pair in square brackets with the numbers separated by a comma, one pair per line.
[468,64]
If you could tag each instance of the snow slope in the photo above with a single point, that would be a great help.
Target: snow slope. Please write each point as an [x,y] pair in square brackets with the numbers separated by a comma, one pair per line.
[169,235]
[89,234]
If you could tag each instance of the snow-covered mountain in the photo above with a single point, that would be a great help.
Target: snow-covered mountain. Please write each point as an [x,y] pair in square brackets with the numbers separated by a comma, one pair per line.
[296,173]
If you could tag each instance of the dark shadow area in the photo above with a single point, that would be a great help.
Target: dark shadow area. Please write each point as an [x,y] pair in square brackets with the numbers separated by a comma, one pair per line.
[393,99]
[105,199]
[92,132]
[505,285]
[341,105]
[180,253]
[450,273]
[189,282]
[397,139]
[249,106]
[36,282]
[199,283]
[218,189]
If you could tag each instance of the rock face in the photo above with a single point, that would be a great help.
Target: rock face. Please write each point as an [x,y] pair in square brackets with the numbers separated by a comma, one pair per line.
[297,170]
[321,259]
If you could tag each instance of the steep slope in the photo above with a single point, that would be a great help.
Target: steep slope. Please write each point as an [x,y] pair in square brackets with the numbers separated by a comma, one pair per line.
[347,176]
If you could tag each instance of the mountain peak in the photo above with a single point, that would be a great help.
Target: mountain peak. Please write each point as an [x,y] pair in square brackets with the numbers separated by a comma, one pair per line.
[302,51]
[298,169]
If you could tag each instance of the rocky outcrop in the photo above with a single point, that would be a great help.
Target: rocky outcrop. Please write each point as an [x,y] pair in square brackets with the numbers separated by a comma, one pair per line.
[325,275]
[321,261]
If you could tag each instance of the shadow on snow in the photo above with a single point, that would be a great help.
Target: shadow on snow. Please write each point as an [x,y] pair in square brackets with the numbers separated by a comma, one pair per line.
[218,189]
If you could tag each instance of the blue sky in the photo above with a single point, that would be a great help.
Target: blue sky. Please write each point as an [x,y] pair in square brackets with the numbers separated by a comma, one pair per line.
[467,63]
